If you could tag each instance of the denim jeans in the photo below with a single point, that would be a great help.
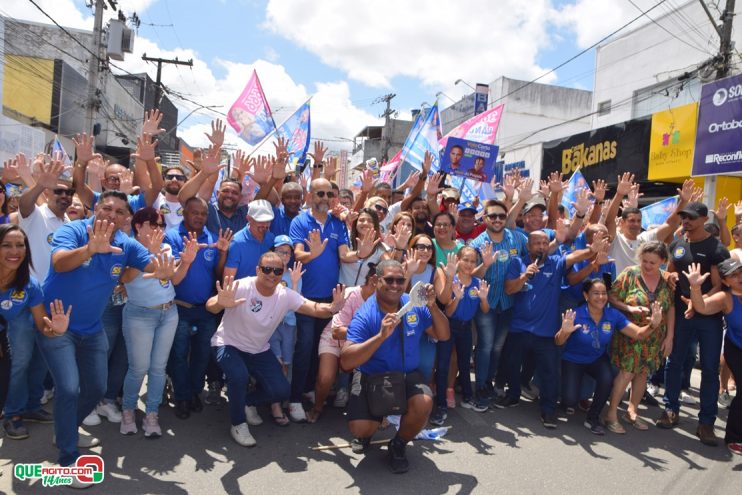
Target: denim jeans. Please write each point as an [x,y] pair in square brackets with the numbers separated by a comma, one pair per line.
[573,374]
[4,367]
[461,339]
[80,371]
[492,329]
[28,369]
[709,333]
[117,362]
[238,366]
[306,360]
[189,355]
[149,335]
[546,358]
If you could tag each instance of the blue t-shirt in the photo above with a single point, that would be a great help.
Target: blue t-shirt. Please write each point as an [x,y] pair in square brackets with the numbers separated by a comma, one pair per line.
[199,282]
[290,318]
[281,223]
[588,343]
[136,201]
[15,302]
[218,220]
[575,291]
[469,304]
[734,322]
[388,357]
[322,273]
[245,251]
[537,310]
[513,244]
[89,286]
[549,232]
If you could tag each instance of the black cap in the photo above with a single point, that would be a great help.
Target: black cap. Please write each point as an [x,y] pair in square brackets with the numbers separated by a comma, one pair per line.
[729,266]
[694,210]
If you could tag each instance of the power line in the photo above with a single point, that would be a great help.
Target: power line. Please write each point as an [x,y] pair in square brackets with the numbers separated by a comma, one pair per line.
[668,31]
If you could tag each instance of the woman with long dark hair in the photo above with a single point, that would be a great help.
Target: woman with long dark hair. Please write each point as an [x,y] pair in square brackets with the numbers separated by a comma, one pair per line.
[366,226]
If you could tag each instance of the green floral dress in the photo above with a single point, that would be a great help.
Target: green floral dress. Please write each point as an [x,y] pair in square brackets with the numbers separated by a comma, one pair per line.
[637,356]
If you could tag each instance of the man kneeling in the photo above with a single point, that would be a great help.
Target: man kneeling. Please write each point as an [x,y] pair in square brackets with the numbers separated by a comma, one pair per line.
[379,341]
[241,342]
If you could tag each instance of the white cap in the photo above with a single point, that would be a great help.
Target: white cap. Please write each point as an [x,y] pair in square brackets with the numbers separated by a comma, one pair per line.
[260,210]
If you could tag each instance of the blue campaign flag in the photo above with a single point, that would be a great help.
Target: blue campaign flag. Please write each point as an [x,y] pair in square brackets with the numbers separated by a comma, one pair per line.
[297,131]
[58,148]
[657,213]
[423,137]
[469,189]
[576,183]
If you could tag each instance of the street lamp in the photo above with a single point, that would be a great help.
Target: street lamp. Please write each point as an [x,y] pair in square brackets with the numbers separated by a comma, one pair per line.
[462,81]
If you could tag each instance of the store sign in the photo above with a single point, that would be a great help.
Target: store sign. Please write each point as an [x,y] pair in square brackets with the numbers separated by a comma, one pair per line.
[602,153]
[719,136]
[672,142]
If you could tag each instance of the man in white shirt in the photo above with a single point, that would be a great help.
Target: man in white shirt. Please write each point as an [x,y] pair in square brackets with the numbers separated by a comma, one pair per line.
[253,307]
[167,201]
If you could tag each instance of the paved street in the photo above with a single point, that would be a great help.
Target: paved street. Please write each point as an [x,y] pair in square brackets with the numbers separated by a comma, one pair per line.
[483,453]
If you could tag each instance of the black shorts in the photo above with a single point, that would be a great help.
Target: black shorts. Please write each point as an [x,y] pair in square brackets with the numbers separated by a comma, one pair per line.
[358,401]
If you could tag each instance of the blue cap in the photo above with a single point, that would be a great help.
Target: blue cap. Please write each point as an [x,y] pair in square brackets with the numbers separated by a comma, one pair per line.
[282,240]
[467,206]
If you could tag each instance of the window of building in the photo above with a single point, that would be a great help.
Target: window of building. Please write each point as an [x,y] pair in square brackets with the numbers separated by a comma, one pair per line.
[604,107]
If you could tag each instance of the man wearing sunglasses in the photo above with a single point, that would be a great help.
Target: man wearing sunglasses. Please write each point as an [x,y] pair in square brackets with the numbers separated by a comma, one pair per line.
[253,307]
[250,243]
[167,201]
[375,346]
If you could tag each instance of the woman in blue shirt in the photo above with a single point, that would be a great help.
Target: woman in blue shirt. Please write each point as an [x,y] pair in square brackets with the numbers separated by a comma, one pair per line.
[728,302]
[587,331]
[22,306]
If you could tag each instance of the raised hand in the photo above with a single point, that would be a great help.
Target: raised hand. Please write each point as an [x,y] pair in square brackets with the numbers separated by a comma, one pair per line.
[562,230]
[433,187]
[721,210]
[600,243]
[525,190]
[656,318]
[153,241]
[10,171]
[427,163]
[84,147]
[488,254]
[697,193]
[508,186]
[583,201]
[152,120]
[412,179]
[59,319]
[210,162]
[694,276]
[634,196]
[24,170]
[126,181]
[296,273]
[625,181]
[319,152]
[331,166]
[315,243]
[452,264]
[145,147]
[599,190]
[568,322]
[430,297]
[367,243]
[49,174]
[543,188]
[388,324]
[241,162]
[338,299]
[217,133]
[225,237]
[190,249]
[164,267]
[412,265]
[555,183]
[402,235]
[738,209]
[262,170]
[226,297]
[282,157]
[458,290]
[483,290]
[99,238]
[686,190]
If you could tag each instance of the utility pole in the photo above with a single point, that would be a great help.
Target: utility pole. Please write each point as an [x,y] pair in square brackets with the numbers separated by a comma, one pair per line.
[387,120]
[725,45]
[94,67]
[158,82]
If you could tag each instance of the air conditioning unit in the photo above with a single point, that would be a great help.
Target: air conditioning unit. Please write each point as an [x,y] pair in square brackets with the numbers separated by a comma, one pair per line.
[120,39]
[127,41]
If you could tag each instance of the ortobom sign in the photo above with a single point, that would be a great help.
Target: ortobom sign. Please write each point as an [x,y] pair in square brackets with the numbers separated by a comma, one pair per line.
[719,136]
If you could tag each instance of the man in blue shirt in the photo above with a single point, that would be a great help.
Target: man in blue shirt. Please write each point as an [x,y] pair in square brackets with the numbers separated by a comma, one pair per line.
[536,318]
[375,339]
[292,196]
[88,256]
[250,243]
[320,243]
[189,355]
[497,245]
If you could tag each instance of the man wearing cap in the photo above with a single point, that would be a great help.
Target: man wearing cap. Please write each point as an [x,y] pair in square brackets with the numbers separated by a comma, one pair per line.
[250,242]
[466,226]
[697,246]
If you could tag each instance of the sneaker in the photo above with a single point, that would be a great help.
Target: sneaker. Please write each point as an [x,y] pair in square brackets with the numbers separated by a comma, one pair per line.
[498,392]
[735,448]
[47,396]
[151,426]
[253,418]
[39,416]
[109,411]
[360,445]
[688,399]
[92,419]
[84,440]
[15,429]
[668,420]
[569,411]
[214,395]
[296,412]
[341,398]
[196,404]
[725,400]
[505,402]
[128,422]
[241,435]
[653,389]
[475,406]
[183,409]
[310,396]
[439,416]
[397,458]
[707,435]
[450,398]
[650,400]
[549,421]
[487,392]
[529,391]
[594,426]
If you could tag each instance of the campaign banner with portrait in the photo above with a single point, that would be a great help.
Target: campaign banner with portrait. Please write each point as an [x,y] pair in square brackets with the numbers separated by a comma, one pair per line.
[469,159]
[719,135]
[657,213]
[250,116]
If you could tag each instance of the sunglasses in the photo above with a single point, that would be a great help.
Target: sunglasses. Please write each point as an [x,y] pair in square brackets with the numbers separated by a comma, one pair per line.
[268,269]
[423,247]
[179,178]
[322,194]
[497,216]
[394,280]
[65,192]
[381,209]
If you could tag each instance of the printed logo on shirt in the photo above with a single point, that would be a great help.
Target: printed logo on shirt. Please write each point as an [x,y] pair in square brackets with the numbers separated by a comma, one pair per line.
[607,327]
[473,293]
[6,304]
[164,283]
[116,271]
[283,282]
[256,305]
[334,236]
[678,253]
[164,208]
[502,255]
[209,254]
[514,251]
[18,296]
[49,239]
[411,320]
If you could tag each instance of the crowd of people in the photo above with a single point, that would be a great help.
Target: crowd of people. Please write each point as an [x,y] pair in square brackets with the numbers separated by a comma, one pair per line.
[392,298]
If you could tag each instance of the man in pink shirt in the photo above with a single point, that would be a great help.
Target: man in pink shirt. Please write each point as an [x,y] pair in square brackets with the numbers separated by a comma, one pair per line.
[253,307]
